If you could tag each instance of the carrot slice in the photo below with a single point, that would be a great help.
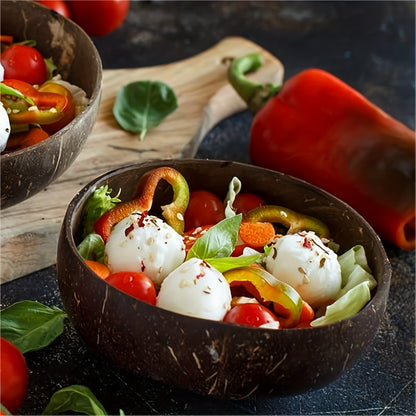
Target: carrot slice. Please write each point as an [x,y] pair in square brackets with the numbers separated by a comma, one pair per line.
[256,234]
[98,268]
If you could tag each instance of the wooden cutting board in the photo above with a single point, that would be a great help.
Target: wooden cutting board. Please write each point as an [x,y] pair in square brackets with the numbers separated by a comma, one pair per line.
[30,230]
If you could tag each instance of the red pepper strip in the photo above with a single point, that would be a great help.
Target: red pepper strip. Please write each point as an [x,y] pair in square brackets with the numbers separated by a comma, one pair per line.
[267,288]
[49,107]
[68,110]
[321,130]
[173,212]
[290,219]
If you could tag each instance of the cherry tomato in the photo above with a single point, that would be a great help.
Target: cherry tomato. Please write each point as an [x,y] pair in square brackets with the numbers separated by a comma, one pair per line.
[246,201]
[58,5]
[24,63]
[252,314]
[204,208]
[13,376]
[135,284]
[191,236]
[98,17]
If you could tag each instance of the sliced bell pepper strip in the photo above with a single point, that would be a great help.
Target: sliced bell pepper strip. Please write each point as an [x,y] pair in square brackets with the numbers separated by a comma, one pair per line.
[173,212]
[68,110]
[48,107]
[266,288]
[320,129]
[290,219]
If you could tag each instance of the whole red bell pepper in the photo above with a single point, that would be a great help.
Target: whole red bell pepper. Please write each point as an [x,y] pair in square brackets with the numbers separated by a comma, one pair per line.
[319,129]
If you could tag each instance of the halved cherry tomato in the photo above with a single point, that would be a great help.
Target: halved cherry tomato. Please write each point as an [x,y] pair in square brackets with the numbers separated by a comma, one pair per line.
[204,208]
[58,5]
[252,314]
[24,63]
[13,376]
[246,201]
[98,17]
[135,284]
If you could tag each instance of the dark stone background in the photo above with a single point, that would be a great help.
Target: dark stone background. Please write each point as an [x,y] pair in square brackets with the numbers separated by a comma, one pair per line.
[371,46]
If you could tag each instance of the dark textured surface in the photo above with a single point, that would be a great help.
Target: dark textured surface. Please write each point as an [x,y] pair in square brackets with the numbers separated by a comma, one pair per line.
[367,44]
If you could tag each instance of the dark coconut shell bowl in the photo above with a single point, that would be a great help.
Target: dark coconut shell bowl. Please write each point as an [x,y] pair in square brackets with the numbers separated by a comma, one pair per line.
[210,357]
[26,172]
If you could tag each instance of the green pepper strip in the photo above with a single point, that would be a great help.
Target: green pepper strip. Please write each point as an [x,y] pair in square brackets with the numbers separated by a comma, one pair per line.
[173,212]
[294,221]
[253,93]
[267,288]
[33,107]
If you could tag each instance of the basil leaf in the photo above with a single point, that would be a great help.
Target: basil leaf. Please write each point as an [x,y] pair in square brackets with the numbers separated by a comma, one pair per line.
[75,398]
[92,247]
[218,241]
[142,105]
[30,325]
[224,264]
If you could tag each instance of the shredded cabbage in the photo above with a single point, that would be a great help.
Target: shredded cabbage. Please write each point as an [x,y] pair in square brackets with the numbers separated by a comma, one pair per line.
[355,292]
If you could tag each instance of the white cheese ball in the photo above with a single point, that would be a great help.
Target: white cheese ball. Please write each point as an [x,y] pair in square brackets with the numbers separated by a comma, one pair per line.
[305,263]
[4,127]
[144,243]
[196,289]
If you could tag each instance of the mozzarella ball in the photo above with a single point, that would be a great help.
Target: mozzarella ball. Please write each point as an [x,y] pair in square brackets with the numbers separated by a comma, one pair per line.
[305,263]
[144,243]
[4,127]
[196,289]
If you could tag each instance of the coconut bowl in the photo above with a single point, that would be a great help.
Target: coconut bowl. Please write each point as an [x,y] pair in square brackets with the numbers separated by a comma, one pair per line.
[27,171]
[209,357]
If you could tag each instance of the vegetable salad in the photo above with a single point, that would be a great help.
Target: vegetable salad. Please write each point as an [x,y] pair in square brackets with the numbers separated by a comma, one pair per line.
[245,263]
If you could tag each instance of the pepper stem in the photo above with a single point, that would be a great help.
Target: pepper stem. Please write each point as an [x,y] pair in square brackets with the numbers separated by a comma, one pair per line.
[252,92]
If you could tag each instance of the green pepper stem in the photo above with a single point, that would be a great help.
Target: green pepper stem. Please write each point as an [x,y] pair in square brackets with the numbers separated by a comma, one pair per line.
[252,92]
[294,221]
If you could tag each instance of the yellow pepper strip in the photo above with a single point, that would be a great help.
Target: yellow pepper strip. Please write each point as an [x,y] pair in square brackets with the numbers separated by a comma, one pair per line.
[267,288]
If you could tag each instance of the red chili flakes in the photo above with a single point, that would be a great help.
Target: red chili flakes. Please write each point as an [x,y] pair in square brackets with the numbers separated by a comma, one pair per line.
[307,243]
[140,222]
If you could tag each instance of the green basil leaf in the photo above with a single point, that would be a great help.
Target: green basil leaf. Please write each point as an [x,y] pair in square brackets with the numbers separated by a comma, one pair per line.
[224,264]
[142,105]
[75,398]
[30,325]
[97,204]
[218,241]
